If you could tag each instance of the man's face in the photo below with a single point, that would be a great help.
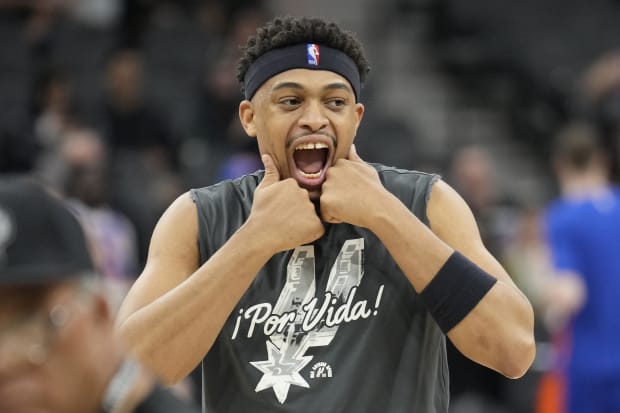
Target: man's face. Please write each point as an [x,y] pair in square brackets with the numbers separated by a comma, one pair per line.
[47,340]
[306,120]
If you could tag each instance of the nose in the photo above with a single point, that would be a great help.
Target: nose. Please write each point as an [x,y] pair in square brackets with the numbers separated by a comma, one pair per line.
[313,117]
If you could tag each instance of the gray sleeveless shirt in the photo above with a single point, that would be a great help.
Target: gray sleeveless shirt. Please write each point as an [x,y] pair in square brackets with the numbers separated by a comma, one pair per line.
[334,326]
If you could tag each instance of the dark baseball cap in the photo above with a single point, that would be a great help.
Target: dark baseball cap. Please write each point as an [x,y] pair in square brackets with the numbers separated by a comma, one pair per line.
[41,241]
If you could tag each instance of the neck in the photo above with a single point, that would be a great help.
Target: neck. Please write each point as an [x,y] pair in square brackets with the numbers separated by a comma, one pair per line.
[584,185]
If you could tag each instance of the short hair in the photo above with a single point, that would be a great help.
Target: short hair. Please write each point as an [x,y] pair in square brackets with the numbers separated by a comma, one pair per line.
[577,144]
[287,31]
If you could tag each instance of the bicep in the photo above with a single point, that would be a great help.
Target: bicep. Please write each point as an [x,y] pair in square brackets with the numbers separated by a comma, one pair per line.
[173,256]
[452,221]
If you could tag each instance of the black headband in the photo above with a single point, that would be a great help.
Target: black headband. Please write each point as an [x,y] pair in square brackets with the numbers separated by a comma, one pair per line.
[301,56]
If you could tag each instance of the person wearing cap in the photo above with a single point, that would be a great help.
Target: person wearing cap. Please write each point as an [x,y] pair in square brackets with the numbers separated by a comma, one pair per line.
[58,349]
[323,283]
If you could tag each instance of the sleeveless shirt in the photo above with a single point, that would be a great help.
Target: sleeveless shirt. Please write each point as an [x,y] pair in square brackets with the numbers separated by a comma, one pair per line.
[334,326]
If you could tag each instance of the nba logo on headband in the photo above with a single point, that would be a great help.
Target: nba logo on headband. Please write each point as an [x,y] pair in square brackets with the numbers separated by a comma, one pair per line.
[313,54]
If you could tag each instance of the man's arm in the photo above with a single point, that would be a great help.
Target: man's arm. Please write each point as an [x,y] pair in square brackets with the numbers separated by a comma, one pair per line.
[498,331]
[175,310]
[563,296]
[177,307]
[564,290]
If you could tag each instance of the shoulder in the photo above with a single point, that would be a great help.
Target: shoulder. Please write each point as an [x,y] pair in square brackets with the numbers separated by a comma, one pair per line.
[227,203]
[405,183]
[560,213]
[449,215]
[443,198]
[554,209]
[393,175]
[243,186]
[413,188]
[178,220]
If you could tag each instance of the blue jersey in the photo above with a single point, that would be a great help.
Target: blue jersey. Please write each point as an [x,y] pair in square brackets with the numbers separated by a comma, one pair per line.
[584,237]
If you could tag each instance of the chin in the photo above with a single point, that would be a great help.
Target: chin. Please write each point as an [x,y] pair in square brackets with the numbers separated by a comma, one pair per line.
[314,193]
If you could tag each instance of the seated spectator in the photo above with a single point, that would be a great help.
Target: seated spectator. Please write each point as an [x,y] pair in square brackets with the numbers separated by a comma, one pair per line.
[143,151]
[110,234]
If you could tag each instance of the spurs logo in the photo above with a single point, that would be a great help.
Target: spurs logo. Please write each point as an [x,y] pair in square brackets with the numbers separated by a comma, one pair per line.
[298,322]
[321,370]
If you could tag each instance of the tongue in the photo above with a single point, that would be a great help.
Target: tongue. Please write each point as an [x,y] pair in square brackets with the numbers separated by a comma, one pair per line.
[310,161]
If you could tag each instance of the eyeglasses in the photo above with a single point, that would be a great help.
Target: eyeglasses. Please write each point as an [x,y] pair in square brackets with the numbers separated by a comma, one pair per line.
[31,337]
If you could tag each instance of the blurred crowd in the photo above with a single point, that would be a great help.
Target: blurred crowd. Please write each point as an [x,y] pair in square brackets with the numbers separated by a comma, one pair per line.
[553,68]
[121,106]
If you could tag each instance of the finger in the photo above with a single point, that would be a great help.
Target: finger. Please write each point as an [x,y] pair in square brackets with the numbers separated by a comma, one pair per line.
[353,156]
[328,218]
[326,215]
[272,175]
[332,220]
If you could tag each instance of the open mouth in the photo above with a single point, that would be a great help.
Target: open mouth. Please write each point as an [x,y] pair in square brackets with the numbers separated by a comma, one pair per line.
[310,159]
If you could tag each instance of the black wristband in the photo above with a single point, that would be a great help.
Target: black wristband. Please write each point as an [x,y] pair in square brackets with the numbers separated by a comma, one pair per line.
[455,290]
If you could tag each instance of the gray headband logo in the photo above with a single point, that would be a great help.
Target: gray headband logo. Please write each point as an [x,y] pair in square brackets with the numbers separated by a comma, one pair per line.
[7,232]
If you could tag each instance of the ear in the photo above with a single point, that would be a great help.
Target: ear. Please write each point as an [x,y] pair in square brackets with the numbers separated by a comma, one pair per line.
[359,114]
[246,116]
[102,309]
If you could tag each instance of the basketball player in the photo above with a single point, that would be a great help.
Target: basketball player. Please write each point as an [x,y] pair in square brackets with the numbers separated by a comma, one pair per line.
[323,283]
[583,232]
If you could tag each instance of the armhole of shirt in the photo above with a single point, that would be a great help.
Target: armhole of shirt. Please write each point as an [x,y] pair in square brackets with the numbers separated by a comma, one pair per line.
[422,196]
[202,225]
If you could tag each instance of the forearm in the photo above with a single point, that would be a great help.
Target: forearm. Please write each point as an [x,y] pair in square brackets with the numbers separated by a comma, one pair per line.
[497,332]
[418,252]
[174,332]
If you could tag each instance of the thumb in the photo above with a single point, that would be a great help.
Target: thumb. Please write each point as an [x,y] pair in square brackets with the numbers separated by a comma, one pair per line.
[353,156]
[272,175]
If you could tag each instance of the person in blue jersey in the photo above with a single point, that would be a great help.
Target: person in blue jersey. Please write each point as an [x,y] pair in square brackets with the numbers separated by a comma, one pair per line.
[583,233]
[322,283]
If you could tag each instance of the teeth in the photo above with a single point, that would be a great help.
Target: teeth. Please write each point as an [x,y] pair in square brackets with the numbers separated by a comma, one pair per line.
[310,176]
[310,145]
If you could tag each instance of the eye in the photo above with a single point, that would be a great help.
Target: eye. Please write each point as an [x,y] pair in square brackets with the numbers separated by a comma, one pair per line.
[336,103]
[290,102]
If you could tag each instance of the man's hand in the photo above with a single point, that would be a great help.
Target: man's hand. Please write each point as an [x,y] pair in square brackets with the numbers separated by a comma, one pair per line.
[283,211]
[564,295]
[351,190]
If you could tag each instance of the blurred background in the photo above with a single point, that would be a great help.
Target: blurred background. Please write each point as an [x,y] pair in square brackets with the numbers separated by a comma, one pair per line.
[122,105]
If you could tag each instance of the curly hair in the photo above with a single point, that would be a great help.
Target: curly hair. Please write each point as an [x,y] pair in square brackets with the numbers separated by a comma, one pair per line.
[286,31]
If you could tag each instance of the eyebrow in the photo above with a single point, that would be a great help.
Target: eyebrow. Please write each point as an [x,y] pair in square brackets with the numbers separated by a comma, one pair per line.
[295,85]
[287,85]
